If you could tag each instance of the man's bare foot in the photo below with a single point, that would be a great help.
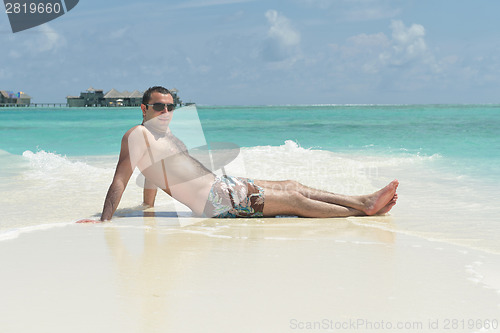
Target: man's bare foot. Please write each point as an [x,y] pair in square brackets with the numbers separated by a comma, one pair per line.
[379,200]
[389,206]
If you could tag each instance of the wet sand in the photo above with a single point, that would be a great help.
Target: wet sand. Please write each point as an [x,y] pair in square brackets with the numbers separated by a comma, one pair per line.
[167,274]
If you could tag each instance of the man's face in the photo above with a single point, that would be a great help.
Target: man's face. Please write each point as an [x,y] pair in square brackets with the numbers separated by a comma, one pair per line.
[164,116]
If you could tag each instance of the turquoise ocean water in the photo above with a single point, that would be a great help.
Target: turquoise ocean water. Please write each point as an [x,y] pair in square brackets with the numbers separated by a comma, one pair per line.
[56,164]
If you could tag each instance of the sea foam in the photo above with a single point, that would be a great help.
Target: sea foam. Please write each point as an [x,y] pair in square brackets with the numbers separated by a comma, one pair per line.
[51,188]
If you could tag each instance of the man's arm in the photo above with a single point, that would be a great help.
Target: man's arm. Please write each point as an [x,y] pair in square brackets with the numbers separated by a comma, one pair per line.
[122,175]
[149,193]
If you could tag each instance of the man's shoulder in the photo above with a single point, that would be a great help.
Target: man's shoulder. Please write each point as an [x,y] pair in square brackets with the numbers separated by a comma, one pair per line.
[133,135]
[134,129]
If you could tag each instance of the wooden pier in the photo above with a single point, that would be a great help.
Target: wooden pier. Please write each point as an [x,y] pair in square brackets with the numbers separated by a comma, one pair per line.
[36,105]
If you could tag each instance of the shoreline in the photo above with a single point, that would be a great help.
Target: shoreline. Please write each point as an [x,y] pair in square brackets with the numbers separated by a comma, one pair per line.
[128,217]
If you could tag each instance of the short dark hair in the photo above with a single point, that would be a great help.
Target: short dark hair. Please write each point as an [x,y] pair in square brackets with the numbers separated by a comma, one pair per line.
[147,94]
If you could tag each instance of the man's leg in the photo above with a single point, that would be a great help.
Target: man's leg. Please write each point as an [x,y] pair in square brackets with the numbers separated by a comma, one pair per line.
[294,203]
[379,202]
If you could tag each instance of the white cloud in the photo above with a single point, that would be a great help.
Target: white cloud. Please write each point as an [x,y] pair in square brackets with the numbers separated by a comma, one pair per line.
[44,39]
[281,29]
[408,42]
[33,42]
[405,48]
[283,41]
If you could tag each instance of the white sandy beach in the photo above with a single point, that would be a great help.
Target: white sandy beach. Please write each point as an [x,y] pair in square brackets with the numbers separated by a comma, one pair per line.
[165,274]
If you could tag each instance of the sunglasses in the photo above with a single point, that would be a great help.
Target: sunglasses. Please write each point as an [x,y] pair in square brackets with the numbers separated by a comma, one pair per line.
[161,106]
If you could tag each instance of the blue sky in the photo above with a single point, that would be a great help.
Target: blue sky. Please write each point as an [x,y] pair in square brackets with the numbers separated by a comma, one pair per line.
[254,52]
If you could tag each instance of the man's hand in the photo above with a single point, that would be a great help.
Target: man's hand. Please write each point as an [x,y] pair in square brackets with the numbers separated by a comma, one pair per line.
[88,221]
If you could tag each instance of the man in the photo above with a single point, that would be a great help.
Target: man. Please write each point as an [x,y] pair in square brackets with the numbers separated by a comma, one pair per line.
[165,162]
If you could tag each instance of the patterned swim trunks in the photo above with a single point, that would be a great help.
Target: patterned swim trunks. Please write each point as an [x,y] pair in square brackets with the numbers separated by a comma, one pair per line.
[234,197]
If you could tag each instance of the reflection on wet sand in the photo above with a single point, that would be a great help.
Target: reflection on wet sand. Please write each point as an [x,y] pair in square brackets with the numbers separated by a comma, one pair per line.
[167,273]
